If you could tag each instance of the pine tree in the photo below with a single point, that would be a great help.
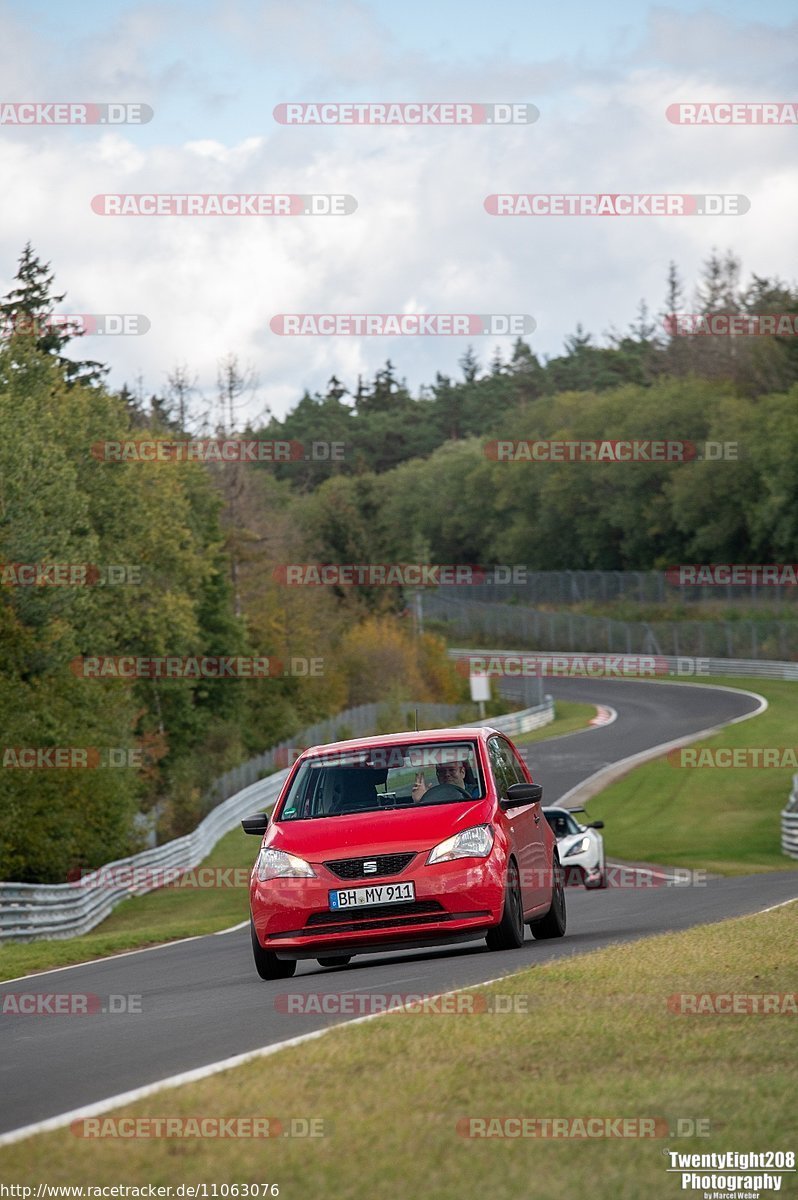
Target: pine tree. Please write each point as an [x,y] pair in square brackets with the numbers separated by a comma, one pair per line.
[469,365]
[674,299]
[28,311]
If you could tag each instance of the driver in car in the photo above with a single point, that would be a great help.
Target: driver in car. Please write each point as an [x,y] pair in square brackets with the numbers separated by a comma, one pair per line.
[452,773]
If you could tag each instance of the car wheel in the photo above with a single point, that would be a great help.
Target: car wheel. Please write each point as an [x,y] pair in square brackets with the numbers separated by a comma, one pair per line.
[268,965]
[340,961]
[509,933]
[604,882]
[553,924]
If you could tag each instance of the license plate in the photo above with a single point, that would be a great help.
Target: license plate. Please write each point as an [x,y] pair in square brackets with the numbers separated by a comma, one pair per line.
[381,893]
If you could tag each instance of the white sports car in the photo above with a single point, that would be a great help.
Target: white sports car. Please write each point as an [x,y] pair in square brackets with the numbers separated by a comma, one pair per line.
[581,847]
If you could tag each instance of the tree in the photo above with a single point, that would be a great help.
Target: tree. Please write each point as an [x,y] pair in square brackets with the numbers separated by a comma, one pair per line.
[181,386]
[469,365]
[232,382]
[718,288]
[28,312]
[674,297]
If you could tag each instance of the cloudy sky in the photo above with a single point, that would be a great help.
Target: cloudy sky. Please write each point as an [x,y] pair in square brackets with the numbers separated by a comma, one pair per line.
[601,74]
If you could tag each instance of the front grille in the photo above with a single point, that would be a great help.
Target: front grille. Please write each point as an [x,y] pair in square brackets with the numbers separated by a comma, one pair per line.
[387,864]
[410,908]
[400,916]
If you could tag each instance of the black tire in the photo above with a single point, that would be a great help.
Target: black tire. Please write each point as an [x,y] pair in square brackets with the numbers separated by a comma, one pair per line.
[340,961]
[553,924]
[268,965]
[509,933]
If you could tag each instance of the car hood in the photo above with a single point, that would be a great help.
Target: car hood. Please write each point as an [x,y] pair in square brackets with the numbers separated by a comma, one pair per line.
[384,832]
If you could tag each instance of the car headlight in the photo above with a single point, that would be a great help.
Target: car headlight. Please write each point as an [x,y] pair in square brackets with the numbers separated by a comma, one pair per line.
[578,847]
[276,864]
[475,842]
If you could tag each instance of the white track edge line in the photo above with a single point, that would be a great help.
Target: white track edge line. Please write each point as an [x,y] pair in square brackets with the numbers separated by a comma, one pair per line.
[643,756]
[58,1122]
[50,1124]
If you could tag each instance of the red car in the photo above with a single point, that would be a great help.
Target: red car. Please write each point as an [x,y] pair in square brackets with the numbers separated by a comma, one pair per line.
[407,840]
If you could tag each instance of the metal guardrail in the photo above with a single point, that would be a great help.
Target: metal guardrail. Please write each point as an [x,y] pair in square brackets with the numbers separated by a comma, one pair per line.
[523,721]
[662,666]
[789,823]
[29,911]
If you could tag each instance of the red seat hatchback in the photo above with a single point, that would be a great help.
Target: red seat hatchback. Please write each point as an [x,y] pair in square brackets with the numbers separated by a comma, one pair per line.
[408,840]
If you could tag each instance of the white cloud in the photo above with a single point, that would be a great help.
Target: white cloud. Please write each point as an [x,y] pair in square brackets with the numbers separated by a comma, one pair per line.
[420,239]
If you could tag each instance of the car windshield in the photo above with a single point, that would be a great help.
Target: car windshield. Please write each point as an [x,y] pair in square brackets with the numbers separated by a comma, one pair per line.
[384,778]
[562,823]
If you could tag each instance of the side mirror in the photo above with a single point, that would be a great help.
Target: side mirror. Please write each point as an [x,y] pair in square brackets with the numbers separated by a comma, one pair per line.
[521,793]
[596,825]
[257,824]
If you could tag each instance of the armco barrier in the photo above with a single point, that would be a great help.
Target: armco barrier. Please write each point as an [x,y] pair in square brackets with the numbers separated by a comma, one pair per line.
[667,665]
[29,911]
[789,823]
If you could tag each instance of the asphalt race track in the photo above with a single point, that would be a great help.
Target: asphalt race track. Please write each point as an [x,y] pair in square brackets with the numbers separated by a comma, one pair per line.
[201,1000]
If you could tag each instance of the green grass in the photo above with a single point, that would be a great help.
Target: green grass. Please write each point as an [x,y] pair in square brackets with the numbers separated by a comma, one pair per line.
[569,717]
[723,820]
[599,1041]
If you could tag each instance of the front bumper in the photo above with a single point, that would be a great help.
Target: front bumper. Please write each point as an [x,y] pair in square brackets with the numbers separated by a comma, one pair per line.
[453,902]
[582,868]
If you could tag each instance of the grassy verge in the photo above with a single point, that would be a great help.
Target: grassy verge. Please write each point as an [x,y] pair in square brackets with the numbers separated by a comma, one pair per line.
[600,1040]
[161,916]
[176,912]
[569,717]
[724,820]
